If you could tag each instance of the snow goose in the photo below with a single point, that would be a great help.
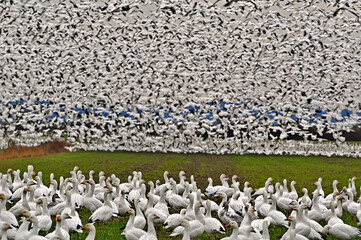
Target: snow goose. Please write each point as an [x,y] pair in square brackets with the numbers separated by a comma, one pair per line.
[17,181]
[156,197]
[5,215]
[4,228]
[139,219]
[283,202]
[21,205]
[265,232]
[196,226]
[212,225]
[236,205]
[278,218]
[121,202]
[246,223]
[225,186]
[234,234]
[57,209]
[131,232]
[285,189]
[105,212]
[317,209]
[174,220]
[23,232]
[358,216]
[342,231]
[293,194]
[92,231]
[151,233]
[4,189]
[330,196]
[305,198]
[211,190]
[187,228]
[333,219]
[352,187]
[73,223]
[142,200]
[264,208]
[180,185]
[57,233]
[44,220]
[40,190]
[267,187]
[257,224]
[161,204]
[291,233]
[89,201]
[34,231]
[161,216]
[224,215]
[176,201]
[349,205]
[319,188]
[190,215]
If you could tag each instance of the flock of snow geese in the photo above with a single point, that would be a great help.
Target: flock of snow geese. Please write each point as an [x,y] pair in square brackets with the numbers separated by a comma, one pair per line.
[180,207]
[181,76]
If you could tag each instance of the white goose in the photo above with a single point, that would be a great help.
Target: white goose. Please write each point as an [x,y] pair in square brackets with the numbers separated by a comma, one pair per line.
[278,218]
[44,220]
[139,220]
[4,227]
[212,225]
[333,219]
[293,194]
[234,235]
[105,212]
[151,233]
[131,232]
[196,226]
[92,231]
[34,231]
[89,201]
[174,220]
[5,215]
[342,231]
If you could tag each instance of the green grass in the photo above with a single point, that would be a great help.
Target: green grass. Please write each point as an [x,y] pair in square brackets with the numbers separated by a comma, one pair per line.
[253,168]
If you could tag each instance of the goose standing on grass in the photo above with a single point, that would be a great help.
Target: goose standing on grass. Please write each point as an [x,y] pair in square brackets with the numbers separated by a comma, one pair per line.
[4,228]
[333,219]
[196,226]
[21,205]
[23,231]
[104,213]
[139,219]
[34,231]
[293,194]
[89,201]
[44,220]
[131,232]
[57,233]
[278,218]
[342,231]
[351,206]
[187,228]
[174,220]
[291,233]
[151,233]
[330,196]
[92,231]
[5,215]
[234,234]
[305,198]
[212,225]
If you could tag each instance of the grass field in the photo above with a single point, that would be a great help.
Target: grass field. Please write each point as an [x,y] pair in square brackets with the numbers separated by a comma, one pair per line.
[253,168]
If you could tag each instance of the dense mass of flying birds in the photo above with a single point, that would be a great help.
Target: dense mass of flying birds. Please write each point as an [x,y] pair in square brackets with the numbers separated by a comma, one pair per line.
[179,207]
[181,76]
